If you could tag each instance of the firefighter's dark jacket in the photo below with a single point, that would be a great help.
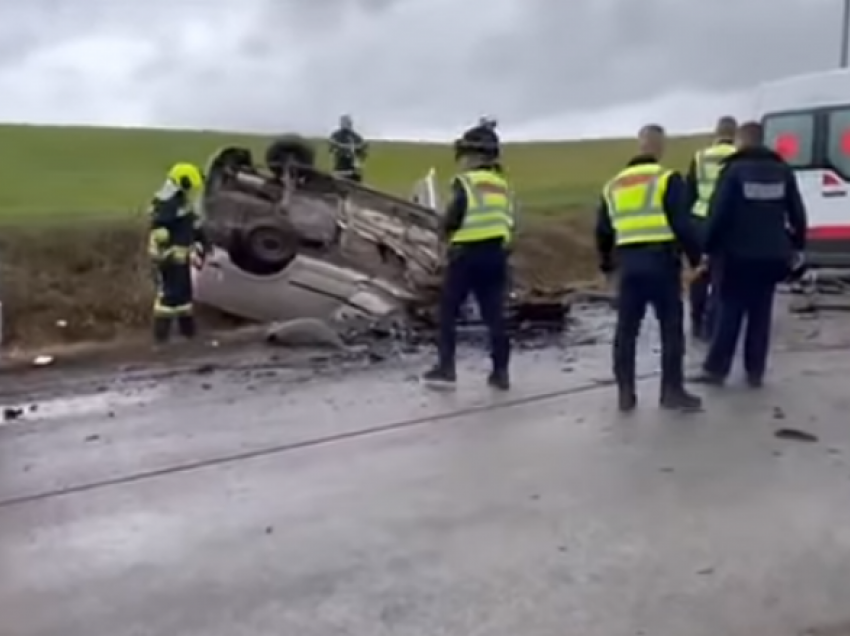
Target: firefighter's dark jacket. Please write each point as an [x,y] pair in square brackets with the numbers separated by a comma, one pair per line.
[692,179]
[756,212]
[346,141]
[183,229]
[651,257]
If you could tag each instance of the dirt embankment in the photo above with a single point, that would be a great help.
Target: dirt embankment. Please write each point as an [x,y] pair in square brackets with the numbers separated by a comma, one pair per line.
[93,282]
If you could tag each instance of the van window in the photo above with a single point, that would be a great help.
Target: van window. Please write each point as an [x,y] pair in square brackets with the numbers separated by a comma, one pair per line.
[838,141]
[792,135]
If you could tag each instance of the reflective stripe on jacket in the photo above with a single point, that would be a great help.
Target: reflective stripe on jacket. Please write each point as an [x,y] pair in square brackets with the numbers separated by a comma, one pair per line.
[635,201]
[162,249]
[175,227]
[708,164]
[489,208]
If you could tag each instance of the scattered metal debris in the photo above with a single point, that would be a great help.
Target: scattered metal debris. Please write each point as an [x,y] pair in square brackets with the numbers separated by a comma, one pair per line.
[821,290]
[796,435]
[304,332]
[12,413]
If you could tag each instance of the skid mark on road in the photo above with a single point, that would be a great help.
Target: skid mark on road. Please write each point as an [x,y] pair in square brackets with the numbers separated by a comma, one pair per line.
[316,442]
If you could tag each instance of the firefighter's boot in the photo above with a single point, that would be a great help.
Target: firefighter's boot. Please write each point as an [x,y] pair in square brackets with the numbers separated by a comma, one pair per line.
[187,326]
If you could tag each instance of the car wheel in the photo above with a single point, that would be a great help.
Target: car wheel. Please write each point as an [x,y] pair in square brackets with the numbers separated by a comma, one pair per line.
[263,250]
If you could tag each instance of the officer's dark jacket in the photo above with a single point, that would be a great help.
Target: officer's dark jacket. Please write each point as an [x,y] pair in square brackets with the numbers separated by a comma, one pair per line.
[458,202]
[692,179]
[756,212]
[651,257]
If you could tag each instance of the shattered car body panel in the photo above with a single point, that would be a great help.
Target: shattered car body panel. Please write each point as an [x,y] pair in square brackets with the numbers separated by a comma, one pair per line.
[301,243]
[290,242]
[307,287]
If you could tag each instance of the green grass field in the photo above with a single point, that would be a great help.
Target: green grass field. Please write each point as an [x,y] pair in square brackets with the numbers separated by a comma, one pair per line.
[94,277]
[51,173]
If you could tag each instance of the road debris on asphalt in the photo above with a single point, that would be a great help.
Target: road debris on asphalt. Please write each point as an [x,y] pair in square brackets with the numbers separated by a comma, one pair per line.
[796,435]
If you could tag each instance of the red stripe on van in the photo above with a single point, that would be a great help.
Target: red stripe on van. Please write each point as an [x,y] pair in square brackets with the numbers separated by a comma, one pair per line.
[830,232]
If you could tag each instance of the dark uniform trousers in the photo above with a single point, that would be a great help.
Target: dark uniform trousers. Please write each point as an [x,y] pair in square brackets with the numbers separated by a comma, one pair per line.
[702,303]
[174,300]
[480,269]
[702,299]
[348,168]
[171,248]
[662,291]
[745,295]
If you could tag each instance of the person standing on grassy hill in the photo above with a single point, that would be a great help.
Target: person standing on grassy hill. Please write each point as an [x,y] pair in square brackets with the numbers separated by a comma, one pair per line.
[175,230]
[643,217]
[755,231]
[701,180]
[348,150]
[478,225]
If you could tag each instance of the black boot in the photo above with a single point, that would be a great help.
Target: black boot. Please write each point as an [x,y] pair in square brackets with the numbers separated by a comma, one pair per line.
[755,381]
[707,377]
[499,379]
[186,325]
[440,375]
[678,399]
[626,399]
[161,329]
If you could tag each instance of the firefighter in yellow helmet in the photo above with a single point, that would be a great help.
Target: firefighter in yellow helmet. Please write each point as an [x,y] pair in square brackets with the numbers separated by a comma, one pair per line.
[175,231]
[642,220]
[478,226]
[700,182]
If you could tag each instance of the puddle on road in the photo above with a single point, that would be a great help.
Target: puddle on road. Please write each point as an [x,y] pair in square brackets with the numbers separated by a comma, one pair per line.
[101,404]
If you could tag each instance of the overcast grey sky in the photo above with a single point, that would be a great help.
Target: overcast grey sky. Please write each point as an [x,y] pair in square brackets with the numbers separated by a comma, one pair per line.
[410,68]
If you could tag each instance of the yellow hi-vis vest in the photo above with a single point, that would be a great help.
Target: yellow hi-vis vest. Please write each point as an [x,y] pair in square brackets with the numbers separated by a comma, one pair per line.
[489,208]
[635,200]
[708,163]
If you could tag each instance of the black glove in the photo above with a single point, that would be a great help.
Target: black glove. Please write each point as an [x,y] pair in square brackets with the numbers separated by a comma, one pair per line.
[606,266]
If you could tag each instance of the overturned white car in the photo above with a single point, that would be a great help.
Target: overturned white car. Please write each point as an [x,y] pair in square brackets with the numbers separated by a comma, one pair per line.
[291,241]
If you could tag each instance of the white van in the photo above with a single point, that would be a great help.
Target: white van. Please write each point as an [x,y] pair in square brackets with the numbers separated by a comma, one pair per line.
[807,120]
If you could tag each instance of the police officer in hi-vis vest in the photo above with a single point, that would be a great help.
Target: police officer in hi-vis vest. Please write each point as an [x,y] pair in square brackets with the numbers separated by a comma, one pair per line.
[700,183]
[478,226]
[643,227]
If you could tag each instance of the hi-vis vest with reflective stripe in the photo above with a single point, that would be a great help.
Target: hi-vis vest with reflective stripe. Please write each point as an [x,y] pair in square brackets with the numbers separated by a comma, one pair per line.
[489,210]
[707,163]
[635,200]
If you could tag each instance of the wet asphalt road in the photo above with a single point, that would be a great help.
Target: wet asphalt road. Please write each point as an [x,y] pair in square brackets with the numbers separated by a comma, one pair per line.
[362,503]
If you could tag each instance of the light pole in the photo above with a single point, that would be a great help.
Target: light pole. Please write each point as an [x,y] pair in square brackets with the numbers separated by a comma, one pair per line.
[845,35]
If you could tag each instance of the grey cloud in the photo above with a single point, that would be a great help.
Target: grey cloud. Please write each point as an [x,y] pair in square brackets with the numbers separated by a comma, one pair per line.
[403,65]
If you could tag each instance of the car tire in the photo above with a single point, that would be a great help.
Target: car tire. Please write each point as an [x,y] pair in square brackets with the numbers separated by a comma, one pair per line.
[290,150]
[264,249]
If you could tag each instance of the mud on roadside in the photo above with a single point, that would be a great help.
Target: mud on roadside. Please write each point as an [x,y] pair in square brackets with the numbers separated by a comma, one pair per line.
[64,288]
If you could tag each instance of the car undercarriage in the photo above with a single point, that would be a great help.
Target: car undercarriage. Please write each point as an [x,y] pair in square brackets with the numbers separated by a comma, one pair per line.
[290,241]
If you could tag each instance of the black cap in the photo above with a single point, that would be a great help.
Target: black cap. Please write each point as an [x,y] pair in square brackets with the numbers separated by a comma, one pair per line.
[476,141]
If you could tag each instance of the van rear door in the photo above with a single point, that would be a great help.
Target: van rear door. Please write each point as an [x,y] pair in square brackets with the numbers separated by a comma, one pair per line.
[816,143]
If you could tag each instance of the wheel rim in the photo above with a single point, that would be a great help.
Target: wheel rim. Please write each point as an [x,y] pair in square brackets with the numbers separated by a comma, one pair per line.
[270,245]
